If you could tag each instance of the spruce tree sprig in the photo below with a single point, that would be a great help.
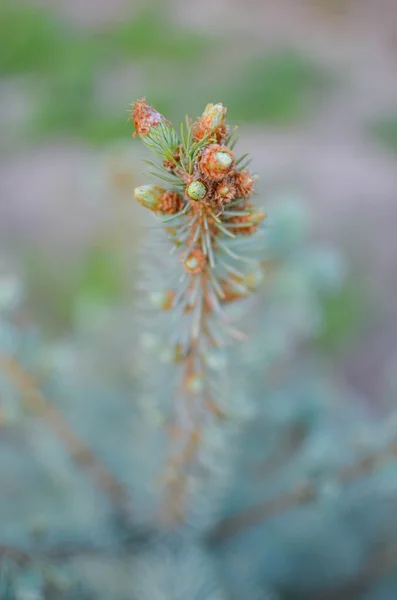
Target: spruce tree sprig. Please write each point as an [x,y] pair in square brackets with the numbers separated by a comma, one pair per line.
[206,213]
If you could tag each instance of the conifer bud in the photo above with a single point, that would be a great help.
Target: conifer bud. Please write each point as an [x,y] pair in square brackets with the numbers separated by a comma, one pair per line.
[224,192]
[253,279]
[171,203]
[212,123]
[145,117]
[195,383]
[150,196]
[216,162]
[195,262]
[244,182]
[196,190]
[257,216]
[162,300]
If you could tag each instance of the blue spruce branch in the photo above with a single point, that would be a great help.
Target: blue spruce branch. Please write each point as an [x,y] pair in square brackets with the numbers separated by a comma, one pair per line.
[213,233]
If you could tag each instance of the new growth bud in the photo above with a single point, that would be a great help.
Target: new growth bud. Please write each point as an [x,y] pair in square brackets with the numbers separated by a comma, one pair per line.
[216,162]
[212,123]
[145,117]
[162,300]
[257,216]
[225,192]
[194,383]
[253,279]
[196,190]
[195,262]
[158,200]
[150,196]
[244,182]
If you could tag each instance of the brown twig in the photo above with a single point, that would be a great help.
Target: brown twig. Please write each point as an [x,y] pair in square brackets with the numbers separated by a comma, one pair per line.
[38,405]
[304,493]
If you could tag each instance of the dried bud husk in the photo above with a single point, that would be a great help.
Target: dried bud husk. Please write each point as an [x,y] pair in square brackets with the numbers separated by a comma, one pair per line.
[244,182]
[216,162]
[171,203]
[212,123]
[257,216]
[225,192]
[249,223]
[145,118]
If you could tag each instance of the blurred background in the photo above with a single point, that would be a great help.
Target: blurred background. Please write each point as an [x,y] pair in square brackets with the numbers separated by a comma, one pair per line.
[312,84]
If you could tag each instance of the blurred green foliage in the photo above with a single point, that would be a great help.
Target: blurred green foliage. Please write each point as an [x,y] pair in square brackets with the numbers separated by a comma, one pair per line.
[344,313]
[150,34]
[69,91]
[29,38]
[69,65]
[385,130]
[100,278]
[276,88]
[54,294]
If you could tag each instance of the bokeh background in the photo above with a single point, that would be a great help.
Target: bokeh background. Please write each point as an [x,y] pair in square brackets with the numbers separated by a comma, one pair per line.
[312,84]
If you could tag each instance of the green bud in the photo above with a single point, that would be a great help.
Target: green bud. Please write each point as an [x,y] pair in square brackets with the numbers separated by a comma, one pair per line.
[191,263]
[196,190]
[150,196]
[223,159]
[216,115]
[253,279]
[162,300]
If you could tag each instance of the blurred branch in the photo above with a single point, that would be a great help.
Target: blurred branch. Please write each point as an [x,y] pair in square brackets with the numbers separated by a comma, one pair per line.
[289,444]
[382,562]
[57,553]
[38,405]
[302,494]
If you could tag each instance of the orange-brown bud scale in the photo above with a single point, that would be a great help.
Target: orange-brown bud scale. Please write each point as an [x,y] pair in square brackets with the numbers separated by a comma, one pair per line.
[230,293]
[171,203]
[170,164]
[225,192]
[163,300]
[216,162]
[245,230]
[178,356]
[145,117]
[214,408]
[169,296]
[212,124]
[195,262]
[194,383]
[202,129]
[244,182]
